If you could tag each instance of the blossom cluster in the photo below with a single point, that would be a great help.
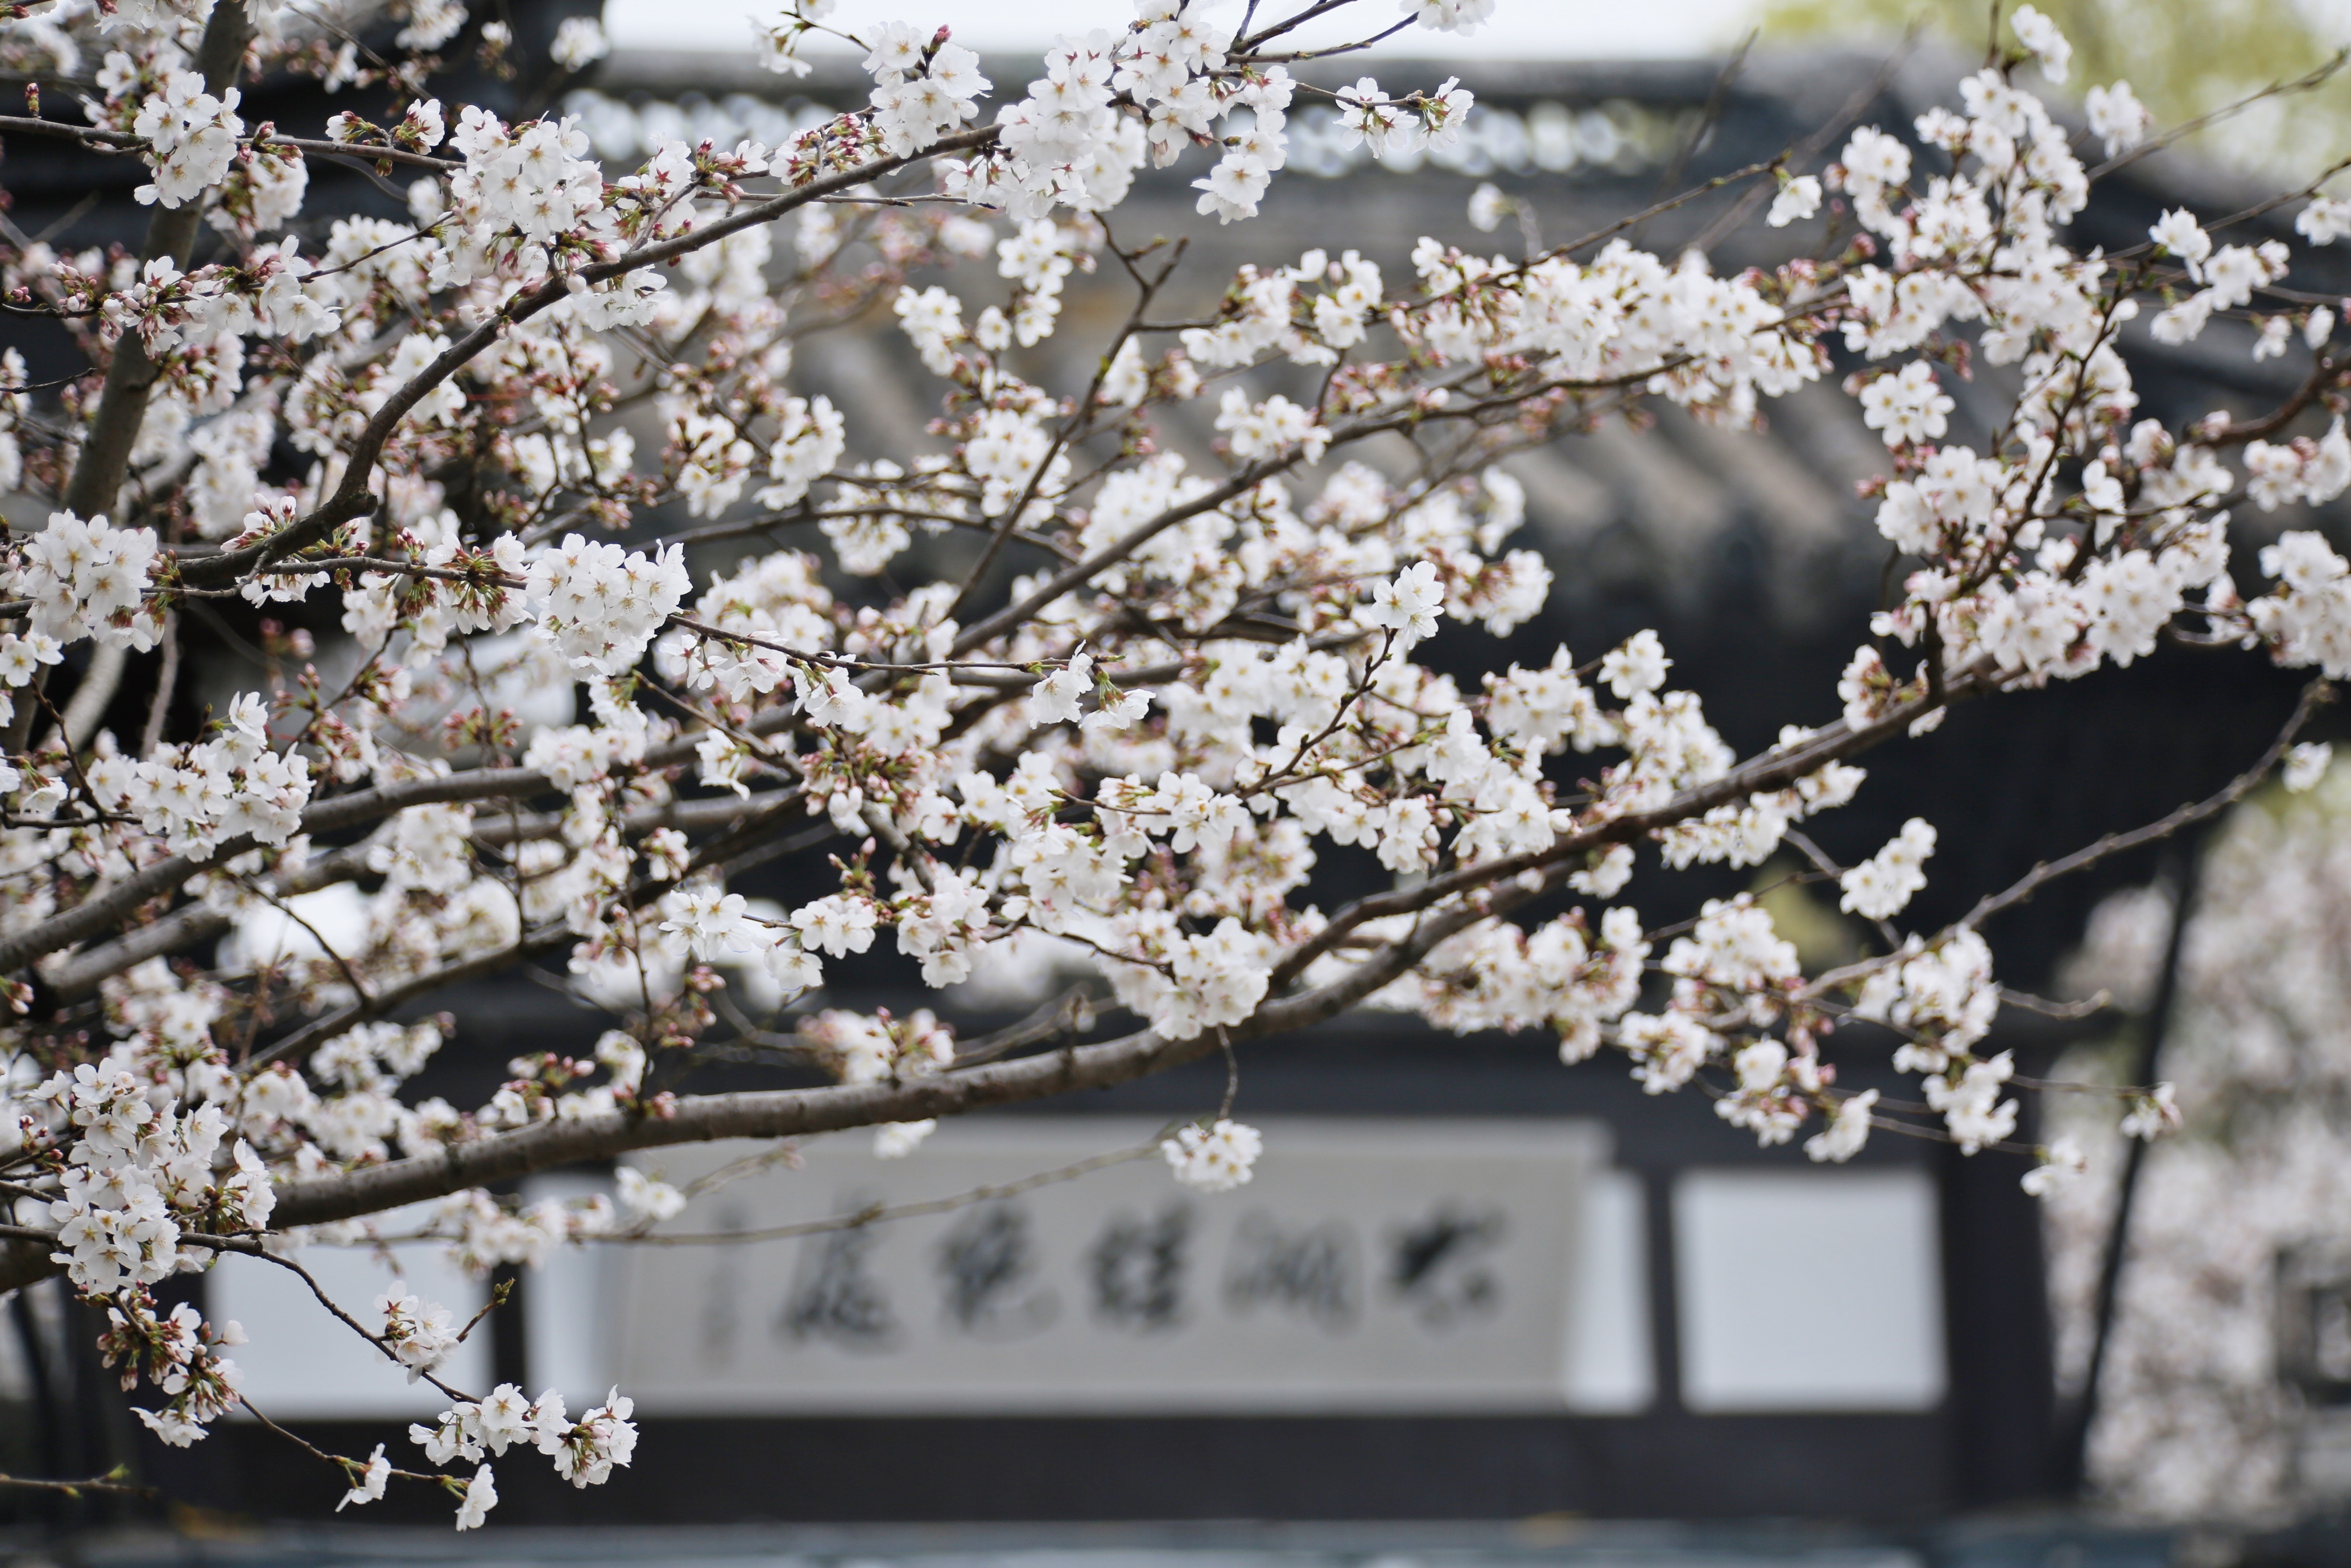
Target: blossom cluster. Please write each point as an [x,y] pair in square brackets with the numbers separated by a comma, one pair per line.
[193,135]
[89,579]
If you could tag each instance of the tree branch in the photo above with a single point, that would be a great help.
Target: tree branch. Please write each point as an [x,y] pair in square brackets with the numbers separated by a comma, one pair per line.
[1771,770]
[77,975]
[102,911]
[352,497]
[105,458]
[2313,696]
[109,1482]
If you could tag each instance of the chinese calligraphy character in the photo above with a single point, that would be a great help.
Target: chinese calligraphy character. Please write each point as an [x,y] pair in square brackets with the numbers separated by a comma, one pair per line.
[1313,1271]
[1439,1265]
[983,1265]
[1137,1269]
[835,1297]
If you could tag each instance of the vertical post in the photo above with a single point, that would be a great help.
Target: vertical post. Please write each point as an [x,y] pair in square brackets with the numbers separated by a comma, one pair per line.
[509,1352]
[2000,1404]
[1664,1287]
[48,1447]
[2073,1440]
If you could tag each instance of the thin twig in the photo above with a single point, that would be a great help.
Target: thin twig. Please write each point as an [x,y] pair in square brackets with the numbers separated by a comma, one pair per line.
[1812,146]
[876,1213]
[167,677]
[2314,79]
[2088,1006]
[1703,127]
[109,1482]
[2047,871]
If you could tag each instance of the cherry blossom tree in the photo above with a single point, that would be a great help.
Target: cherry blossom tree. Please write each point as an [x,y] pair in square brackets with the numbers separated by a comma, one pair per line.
[1125,734]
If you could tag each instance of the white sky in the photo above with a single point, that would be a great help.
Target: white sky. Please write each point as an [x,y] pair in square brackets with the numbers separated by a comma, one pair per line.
[1522,29]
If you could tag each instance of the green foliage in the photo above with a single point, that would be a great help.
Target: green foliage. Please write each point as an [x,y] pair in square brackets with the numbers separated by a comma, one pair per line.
[2183,58]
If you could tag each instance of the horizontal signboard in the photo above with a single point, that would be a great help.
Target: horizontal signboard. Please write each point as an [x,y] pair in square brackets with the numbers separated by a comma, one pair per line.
[1404,1265]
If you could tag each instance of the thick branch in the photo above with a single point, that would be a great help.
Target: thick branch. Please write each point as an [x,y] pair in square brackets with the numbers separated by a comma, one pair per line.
[771,1114]
[77,975]
[72,979]
[101,911]
[105,459]
[793,1113]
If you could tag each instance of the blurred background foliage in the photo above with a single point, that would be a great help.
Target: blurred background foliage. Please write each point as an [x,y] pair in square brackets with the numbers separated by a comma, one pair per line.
[2183,58]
